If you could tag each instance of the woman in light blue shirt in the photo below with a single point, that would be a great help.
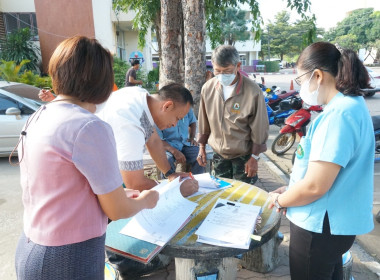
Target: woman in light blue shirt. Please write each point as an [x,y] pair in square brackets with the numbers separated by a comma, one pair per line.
[330,194]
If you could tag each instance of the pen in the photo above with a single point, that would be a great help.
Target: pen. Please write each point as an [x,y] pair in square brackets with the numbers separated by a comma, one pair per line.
[191,176]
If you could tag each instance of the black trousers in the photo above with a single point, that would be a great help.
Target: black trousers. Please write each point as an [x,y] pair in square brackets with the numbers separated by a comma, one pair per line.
[317,256]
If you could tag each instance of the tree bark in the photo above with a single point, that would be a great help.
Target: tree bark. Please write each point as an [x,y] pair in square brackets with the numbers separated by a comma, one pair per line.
[195,48]
[171,60]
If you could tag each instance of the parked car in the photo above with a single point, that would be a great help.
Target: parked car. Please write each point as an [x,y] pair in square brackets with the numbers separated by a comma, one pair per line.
[375,82]
[17,102]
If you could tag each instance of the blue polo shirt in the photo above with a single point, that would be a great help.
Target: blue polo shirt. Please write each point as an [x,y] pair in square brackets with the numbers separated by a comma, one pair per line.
[341,134]
[177,136]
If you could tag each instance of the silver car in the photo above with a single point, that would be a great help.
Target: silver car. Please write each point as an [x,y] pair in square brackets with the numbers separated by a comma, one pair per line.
[17,102]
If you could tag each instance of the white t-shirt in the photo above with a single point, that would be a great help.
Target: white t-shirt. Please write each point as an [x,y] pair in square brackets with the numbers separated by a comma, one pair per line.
[227,91]
[128,114]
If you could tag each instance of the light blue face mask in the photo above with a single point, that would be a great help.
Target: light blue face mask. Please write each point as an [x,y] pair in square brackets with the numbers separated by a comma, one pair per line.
[226,79]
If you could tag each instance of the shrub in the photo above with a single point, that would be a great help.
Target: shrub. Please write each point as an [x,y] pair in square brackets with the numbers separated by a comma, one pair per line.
[18,47]
[270,66]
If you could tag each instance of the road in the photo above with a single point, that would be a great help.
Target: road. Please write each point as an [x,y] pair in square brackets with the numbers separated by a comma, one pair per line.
[10,191]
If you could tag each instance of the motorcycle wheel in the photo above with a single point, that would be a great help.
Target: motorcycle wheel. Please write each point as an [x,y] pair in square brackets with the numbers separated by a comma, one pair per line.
[283,142]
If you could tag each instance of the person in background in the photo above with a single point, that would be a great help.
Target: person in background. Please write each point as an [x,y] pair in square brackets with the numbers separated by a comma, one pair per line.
[180,144]
[330,193]
[232,119]
[131,76]
[66,209]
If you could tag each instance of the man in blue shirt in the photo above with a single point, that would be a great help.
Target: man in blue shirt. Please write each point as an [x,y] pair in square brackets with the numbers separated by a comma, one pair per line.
[180,144]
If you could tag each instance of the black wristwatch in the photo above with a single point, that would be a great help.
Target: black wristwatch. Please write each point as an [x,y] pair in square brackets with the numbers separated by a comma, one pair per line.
[167,174]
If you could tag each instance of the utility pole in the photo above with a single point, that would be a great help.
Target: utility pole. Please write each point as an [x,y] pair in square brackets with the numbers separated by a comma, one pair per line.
[268,44]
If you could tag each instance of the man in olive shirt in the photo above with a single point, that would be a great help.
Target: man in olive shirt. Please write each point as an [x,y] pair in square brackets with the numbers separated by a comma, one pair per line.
[232,119]
[131,76]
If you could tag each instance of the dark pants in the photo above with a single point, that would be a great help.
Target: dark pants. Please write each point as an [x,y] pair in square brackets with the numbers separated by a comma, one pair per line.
[232,168]
[315,256]
[191,153]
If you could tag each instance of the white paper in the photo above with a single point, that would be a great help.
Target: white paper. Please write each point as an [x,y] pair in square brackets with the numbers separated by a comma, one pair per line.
[229,224]
[208,184]
[159,225]
[205,181]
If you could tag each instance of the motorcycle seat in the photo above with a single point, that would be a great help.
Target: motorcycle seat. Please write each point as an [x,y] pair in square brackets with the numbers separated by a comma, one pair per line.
[376,122]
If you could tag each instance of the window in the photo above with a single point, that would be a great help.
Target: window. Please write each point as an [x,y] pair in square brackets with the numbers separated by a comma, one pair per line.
[243,60]
[16,21]
[7,102]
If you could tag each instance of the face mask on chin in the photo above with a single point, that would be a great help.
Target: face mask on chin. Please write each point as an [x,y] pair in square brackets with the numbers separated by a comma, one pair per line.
[226,79]
[310,98]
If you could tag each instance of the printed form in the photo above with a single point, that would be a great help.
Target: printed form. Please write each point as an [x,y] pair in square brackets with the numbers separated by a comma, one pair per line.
[160,224]
[229,224]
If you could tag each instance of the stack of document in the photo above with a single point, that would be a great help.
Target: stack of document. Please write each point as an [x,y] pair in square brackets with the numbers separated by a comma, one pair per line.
[160,224]
[229,224]
[208,183]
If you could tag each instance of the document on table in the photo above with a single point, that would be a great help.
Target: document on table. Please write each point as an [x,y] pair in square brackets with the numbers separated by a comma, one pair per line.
[208,183]
[160,224]
[229,224]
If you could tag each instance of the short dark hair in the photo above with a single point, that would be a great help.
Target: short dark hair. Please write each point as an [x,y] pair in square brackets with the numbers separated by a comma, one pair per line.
[344,65]
[82,68]
[177,93]
[135,62]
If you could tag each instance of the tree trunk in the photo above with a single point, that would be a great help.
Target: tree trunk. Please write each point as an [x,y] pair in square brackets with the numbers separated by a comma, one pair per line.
[195,48]
[157,27]
[171,60]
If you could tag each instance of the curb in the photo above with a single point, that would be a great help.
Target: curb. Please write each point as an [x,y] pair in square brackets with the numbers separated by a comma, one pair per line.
[275,169]
[358,249]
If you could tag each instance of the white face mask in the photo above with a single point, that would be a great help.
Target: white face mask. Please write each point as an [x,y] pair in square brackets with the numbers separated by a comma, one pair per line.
[226,79]
[310,98]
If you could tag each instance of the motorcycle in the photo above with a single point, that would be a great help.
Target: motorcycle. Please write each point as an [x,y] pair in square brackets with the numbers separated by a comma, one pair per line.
[295,124]
[275,96]
[279,115]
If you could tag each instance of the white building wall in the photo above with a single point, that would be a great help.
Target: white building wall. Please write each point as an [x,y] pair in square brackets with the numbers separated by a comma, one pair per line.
[104,33]
[17,6]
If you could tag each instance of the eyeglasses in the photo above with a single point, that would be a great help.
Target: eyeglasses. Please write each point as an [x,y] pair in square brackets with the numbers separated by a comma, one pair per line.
[298,80]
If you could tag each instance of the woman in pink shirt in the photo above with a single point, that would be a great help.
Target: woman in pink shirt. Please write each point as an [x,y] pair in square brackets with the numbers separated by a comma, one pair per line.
[66,208]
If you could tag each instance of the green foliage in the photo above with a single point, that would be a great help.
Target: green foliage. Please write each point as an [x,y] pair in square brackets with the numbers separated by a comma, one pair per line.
[349,41]
[28,77]
[287,38]
[270,66]
[18,47]
[364,24]
[147,12]
[153,77]
[10,70]
[234,27]
[120,68]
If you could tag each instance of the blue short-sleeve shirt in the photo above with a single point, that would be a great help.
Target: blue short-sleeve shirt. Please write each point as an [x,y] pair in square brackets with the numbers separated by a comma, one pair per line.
[178,135]
[342,134]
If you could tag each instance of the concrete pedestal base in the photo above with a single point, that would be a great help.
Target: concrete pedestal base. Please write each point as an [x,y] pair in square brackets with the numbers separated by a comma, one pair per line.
[190,269]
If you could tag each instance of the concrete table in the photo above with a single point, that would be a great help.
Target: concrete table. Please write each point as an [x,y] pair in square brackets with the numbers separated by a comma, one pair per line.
[195,260]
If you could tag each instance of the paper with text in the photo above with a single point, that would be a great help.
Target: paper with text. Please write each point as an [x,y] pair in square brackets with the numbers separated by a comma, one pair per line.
[160,224]
[208,183]
[229,224]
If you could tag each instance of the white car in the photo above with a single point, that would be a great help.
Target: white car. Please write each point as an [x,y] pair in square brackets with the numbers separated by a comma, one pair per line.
[17,102]
[374,82]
